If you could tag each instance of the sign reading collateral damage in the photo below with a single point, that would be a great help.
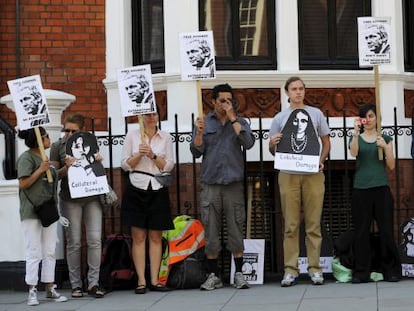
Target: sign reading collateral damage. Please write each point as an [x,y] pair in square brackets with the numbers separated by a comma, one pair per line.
[299,147]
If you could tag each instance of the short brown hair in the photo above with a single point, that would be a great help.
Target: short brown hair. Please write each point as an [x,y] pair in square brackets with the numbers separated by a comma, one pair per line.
[76,118]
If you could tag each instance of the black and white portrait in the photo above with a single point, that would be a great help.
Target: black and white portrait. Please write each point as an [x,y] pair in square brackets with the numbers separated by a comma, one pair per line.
[407,244]
[197,55]
[86,174]
[29,102]
[374,42]
[136,90]
[299,136]
[32,102]
[376,39]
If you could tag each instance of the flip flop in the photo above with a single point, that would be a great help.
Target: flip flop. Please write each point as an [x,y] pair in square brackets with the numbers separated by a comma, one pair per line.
[96,291]
[77,292]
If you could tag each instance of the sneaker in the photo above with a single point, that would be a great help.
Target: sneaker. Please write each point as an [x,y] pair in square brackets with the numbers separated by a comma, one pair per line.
[211,283]
[32,299]
[316,278]
[51,293]
[239,281]
[288,280]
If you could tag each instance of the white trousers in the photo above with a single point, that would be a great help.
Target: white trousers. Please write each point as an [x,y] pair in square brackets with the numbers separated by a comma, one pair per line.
[40,245]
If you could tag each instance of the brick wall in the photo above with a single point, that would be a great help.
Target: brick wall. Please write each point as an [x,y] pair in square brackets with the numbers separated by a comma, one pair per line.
[61,40]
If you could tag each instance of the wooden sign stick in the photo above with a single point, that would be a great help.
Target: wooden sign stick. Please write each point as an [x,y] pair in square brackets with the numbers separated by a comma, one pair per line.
[141,128]
[199,101]
[378,107]
[42,152]
[249,211]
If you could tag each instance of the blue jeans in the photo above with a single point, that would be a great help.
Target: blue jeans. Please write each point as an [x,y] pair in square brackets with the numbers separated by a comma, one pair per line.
[90,213]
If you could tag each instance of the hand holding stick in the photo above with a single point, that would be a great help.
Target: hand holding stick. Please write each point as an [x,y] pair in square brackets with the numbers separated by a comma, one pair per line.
[42,152]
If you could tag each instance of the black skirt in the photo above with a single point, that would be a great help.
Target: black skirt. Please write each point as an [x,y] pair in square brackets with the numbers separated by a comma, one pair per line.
[148,209]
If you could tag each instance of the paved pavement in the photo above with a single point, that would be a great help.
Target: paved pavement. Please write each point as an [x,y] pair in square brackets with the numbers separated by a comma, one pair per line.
[382,296]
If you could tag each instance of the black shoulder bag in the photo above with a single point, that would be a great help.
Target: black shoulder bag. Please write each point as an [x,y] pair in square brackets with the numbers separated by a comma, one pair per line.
[47,211]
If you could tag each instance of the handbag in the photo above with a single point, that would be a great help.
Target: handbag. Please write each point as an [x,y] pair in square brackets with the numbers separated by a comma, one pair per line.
[109,199]
[164,178]
[47,211]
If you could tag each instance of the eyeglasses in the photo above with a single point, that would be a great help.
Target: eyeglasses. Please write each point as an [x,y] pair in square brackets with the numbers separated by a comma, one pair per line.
[69,131]
[223,100]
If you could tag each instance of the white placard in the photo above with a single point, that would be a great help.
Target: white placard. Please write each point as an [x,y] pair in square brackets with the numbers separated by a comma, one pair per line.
[324,262]
[299,147]
[86,176]
[136,91]
[197,55]
[29,102]
[374,44]
[253,261]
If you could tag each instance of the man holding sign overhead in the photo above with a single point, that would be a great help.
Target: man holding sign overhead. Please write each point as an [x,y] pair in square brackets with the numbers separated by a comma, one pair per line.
[220,139]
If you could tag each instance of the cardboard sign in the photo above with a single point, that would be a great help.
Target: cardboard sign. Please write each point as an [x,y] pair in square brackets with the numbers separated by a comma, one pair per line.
[374,42]
[253,261]
[324,262]
[86,176]
[407,248]
[29,102]
[197,55]
[136,91]
[299,147]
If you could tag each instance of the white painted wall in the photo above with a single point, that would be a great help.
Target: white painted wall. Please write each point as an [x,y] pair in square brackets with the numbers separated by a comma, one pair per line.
[180,16]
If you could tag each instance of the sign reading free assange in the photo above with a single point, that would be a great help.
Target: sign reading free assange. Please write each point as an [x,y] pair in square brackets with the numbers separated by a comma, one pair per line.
[299,147]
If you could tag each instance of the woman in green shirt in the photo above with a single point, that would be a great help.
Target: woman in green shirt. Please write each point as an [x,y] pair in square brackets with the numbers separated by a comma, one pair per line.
[372,198]
[40,242]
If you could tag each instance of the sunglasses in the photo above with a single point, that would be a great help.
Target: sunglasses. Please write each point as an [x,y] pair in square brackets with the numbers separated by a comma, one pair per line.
[223,100]
[69,131]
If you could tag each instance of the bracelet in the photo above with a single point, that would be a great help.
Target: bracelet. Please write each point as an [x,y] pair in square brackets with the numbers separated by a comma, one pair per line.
[234,121]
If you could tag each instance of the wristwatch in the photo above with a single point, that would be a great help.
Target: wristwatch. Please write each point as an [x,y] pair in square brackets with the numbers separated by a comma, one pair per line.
[154,157]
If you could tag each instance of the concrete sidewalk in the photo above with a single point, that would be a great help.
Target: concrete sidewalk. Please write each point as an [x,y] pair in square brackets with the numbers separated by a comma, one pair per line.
[381,296]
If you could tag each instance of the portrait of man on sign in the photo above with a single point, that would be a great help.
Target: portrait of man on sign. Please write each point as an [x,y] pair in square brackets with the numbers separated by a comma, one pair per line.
[32,103]
[199,55]
[136,90]
[377,39]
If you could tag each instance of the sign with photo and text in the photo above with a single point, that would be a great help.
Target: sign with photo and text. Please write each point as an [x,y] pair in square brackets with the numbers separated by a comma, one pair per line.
[29,102]
[136,91]
[197,55]
[374,42]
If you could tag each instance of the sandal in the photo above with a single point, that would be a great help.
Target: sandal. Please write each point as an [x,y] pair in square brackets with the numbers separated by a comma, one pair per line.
[159,288]
[77,292]
[96,291]
[141,289]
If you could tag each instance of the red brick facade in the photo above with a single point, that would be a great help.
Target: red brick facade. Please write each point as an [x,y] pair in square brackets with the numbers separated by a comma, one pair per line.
[63,42]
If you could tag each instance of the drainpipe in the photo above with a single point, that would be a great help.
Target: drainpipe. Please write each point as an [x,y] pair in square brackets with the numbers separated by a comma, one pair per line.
[9,162]
[18,65]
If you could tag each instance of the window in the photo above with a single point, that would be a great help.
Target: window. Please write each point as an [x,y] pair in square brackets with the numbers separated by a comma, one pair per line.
[244,32]
[328,33]
[408,9]
[148,34]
